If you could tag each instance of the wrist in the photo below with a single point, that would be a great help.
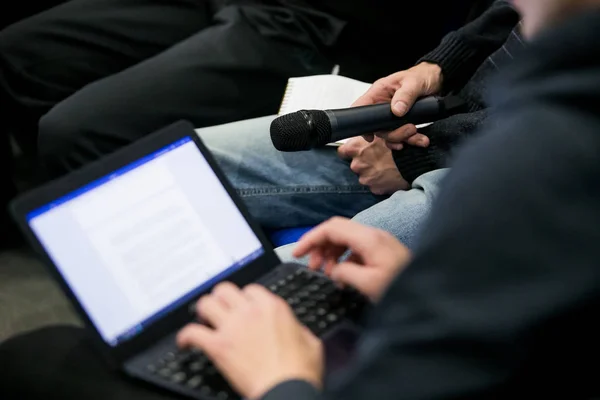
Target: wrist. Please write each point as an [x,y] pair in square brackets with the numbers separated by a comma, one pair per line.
[434,76]
[294,388]
[275,380]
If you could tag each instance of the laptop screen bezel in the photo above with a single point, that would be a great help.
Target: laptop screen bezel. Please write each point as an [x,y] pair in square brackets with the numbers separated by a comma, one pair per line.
[180,315]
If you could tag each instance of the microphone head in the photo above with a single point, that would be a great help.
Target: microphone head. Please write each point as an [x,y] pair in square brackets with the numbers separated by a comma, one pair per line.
[302,130]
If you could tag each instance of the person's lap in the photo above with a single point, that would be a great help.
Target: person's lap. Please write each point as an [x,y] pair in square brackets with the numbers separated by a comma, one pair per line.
[285,189]
[52,55]
[402,214]
[226,72]
[305,188]
[49,56]
[300,188]
[60,360]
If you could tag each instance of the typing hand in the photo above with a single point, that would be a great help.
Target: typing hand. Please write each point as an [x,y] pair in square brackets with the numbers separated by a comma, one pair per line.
[255,340]
[374,165]
[402,89]
[376,257]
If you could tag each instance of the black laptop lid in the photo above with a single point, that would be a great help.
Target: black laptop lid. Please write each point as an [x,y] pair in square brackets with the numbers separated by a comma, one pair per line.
[146,239]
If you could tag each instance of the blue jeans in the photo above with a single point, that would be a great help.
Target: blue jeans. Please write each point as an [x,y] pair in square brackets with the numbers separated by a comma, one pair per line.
[305,188]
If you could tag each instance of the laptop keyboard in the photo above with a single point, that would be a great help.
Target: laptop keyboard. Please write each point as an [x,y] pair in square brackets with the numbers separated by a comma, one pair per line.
[317,302]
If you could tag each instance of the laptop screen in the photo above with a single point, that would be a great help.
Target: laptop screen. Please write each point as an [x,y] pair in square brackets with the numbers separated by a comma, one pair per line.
[145,239]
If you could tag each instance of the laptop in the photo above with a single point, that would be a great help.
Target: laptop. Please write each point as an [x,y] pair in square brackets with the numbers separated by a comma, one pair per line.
[137,237]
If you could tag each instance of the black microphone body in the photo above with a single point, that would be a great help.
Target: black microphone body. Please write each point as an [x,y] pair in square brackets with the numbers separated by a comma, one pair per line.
[308,129]
[350,122]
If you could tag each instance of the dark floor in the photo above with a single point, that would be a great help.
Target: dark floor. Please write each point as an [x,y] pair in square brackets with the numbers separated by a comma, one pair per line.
[29,298]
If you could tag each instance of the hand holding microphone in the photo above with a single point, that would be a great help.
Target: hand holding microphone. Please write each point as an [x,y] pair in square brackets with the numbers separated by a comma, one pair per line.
[401,90]
[307,129]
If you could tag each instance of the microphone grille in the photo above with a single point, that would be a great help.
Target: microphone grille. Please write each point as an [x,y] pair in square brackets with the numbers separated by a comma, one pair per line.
[302,130]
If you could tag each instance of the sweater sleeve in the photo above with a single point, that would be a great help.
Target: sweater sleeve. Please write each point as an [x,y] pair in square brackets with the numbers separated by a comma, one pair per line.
[445,136]
[461,52]
[292,390]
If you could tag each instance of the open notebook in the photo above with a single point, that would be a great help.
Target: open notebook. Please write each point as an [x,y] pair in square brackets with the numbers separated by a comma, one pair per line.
[321,92]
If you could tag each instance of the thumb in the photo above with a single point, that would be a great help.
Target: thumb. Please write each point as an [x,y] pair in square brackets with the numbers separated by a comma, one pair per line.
[405,96]
[345,152]
[351,148]
[349,273]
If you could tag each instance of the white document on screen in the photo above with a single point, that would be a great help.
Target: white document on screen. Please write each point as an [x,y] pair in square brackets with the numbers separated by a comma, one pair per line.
[153,241]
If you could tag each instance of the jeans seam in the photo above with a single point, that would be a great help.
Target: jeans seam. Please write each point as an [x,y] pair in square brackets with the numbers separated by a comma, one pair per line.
[304,189]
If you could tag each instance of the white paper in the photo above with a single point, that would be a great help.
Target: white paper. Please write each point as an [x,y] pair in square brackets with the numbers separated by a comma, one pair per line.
[321,92]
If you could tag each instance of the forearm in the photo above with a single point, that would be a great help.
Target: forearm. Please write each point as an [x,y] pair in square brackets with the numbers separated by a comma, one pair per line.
[461,52]
[292,390]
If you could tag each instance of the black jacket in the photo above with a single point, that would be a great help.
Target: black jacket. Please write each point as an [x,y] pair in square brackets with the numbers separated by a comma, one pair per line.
[503,296]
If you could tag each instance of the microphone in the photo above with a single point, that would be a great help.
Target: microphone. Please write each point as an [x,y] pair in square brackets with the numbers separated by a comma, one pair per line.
[309,129]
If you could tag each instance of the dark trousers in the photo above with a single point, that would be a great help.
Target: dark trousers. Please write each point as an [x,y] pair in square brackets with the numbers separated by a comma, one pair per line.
[89,76]
[8,233]
[60,363]
[11,12]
